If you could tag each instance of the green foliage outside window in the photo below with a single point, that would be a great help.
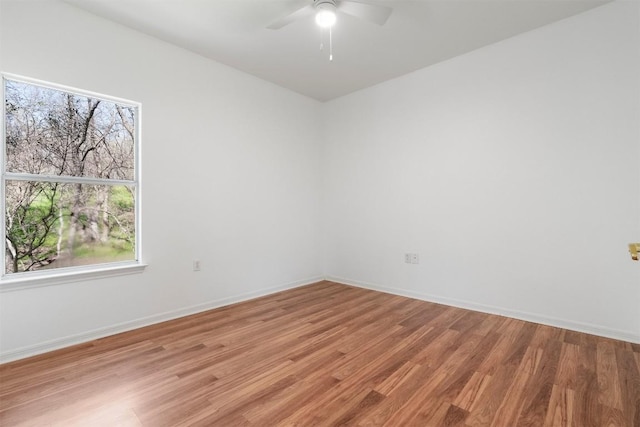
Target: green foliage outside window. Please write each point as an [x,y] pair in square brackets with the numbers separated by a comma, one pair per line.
[69,179]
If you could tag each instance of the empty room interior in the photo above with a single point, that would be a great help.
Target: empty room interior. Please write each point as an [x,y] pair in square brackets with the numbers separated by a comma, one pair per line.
[242,213]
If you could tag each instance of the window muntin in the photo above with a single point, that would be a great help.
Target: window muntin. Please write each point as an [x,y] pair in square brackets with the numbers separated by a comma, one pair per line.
[70,180]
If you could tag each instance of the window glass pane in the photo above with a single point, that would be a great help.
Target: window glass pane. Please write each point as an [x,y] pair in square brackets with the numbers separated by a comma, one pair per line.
[54,132]
[50,225]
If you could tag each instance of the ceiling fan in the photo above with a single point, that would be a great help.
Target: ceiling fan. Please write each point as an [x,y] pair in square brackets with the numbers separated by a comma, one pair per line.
[325,11]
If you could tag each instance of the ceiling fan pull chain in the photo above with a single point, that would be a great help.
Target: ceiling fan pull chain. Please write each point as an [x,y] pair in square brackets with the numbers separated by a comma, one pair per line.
[321,39]
[330,45]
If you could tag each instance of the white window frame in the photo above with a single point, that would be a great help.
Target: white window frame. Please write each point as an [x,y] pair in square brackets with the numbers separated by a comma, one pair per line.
[31,279]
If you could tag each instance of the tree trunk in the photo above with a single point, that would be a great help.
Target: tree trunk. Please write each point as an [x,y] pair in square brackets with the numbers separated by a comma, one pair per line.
[13,256]
[74,217]
[100,217]
[60,230]
[104,237]
[92,232]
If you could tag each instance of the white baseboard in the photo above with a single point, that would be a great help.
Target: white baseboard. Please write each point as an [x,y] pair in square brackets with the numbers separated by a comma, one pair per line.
[59,343]
[516,314]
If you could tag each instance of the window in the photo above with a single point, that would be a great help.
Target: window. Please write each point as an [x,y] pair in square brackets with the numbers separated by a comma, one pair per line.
[70,184]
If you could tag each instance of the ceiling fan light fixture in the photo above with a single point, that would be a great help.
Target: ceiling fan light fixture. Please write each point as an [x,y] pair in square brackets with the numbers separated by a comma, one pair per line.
[326,14]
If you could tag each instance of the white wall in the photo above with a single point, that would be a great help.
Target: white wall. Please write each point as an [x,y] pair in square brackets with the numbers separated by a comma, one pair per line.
[514,172]
[230,169]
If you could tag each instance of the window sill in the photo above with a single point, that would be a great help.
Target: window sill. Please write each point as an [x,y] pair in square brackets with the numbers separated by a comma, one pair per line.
[40,279]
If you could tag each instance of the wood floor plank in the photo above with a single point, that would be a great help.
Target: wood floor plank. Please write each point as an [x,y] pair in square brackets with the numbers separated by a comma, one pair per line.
[330,355]
[560,410]
[607,373]
[544,334]
[512,405]
[488,403]
[586,402]
[473,388]
[567,373]
[537,393]
[629,378]
[397,378]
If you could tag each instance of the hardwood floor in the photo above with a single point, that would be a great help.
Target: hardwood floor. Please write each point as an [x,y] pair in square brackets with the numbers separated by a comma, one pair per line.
[330,354]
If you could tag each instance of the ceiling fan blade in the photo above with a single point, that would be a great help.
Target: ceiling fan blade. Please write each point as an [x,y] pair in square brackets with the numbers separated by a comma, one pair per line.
[369,12]
[286,20]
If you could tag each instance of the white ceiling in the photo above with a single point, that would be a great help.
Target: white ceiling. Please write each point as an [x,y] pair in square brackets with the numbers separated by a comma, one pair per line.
[419,33]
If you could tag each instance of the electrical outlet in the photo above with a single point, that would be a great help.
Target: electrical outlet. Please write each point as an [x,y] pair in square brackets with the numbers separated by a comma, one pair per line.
[196,265]
[410,258]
